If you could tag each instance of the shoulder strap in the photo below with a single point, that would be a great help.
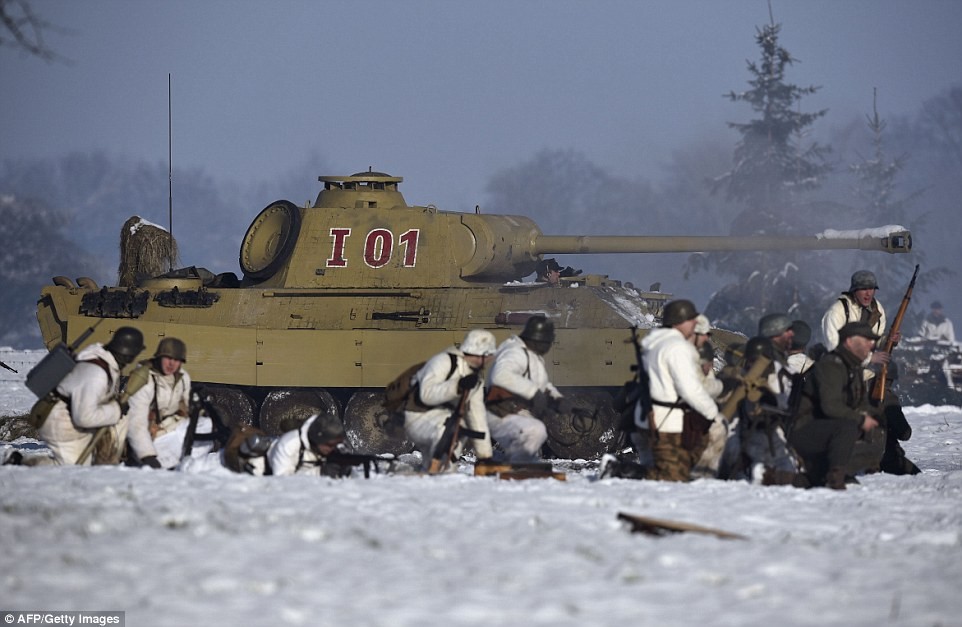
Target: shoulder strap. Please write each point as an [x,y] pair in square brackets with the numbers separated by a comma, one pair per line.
[104,365]
[454,365]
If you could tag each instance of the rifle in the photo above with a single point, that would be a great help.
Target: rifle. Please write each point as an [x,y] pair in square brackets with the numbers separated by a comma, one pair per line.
[878,388]
[2,363]
[219,432]
[449,438]
[633,391]
[358,459]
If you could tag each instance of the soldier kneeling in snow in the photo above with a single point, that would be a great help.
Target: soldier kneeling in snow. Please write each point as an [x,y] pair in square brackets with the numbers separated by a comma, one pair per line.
[86,424]
[159,392]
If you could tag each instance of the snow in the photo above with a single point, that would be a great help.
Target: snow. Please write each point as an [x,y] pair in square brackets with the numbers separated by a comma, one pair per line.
[204,546]
[879,231]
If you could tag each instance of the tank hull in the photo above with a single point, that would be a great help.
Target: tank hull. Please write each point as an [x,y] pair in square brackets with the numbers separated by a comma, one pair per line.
[362,338]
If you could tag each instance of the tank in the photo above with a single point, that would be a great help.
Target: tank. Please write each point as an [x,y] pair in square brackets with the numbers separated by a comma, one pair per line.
[337,297]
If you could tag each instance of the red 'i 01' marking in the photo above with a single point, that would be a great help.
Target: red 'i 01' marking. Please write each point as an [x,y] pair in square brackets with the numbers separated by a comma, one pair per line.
[337,260]
[378,246]
[410,240]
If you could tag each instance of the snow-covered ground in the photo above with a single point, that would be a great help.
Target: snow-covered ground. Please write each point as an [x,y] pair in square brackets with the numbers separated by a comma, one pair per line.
[203,546]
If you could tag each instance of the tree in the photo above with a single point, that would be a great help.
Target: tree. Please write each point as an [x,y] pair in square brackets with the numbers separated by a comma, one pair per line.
[773,168]
[33,249]
[876,190]
[23,29]
[567,194]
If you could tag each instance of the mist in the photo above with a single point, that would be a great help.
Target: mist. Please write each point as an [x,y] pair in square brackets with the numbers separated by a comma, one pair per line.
[606,118]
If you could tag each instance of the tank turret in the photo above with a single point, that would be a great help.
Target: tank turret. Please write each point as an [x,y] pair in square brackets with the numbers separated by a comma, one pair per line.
[339,296]
[360,231]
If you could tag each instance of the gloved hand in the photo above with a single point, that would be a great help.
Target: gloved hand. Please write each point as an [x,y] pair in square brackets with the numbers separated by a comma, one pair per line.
[468,382]
[563,406]
[539,403]
[124,407]
[150,460]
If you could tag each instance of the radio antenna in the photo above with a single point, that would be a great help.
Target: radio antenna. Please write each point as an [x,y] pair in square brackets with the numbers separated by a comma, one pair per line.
[170,182]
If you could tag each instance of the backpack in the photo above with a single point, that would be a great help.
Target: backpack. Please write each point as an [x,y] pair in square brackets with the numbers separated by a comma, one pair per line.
[397,392]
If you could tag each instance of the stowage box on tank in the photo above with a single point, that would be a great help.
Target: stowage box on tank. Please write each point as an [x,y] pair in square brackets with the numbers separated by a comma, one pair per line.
[339,297]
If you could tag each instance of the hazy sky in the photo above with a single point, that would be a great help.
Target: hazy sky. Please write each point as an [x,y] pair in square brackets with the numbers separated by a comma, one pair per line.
[446,93]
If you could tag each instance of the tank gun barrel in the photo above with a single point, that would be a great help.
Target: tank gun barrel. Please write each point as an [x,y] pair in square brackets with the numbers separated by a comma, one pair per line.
[891,240]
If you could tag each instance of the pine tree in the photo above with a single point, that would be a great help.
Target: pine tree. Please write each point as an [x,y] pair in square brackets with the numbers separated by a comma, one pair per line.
[772,169]
[875,189]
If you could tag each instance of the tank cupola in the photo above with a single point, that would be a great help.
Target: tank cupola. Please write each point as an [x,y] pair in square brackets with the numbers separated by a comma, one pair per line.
[364,190]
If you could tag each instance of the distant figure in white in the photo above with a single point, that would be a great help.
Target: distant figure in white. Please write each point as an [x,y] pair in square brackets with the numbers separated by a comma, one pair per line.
[936,326]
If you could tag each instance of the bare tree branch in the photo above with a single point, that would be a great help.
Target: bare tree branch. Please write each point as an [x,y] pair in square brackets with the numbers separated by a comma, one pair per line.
[23,29]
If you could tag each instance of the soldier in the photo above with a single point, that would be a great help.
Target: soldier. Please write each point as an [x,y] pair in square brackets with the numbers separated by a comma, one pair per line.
[798,361]
[451,380]
[834,409]
[683,411]
[718,388]
[159,393]
[897,429]
[89,404]
[777,328]
[936,326]
[305,450]
[549,271]
[520,395]
[702,331]
[858,304]
[761,424]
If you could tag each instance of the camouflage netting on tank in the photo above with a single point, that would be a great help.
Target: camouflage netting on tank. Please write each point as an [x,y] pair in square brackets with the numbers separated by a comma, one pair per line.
[146,250]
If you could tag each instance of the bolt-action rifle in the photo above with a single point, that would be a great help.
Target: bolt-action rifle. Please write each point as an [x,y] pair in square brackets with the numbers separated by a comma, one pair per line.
[449,438]
[633,391]
[878,388]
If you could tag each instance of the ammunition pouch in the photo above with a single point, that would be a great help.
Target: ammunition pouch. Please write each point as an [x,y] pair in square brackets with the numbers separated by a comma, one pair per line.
[42,408]
[694,429]
[501,402]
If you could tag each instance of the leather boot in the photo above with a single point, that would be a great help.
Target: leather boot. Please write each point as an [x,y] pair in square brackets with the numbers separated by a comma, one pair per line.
[835,479]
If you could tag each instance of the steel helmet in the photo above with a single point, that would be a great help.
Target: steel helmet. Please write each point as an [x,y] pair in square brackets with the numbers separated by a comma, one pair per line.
[126,344]
[173,348]
[479,342]
[774,324]
[324,429]
[678,311]
[538,329]
[863,280]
